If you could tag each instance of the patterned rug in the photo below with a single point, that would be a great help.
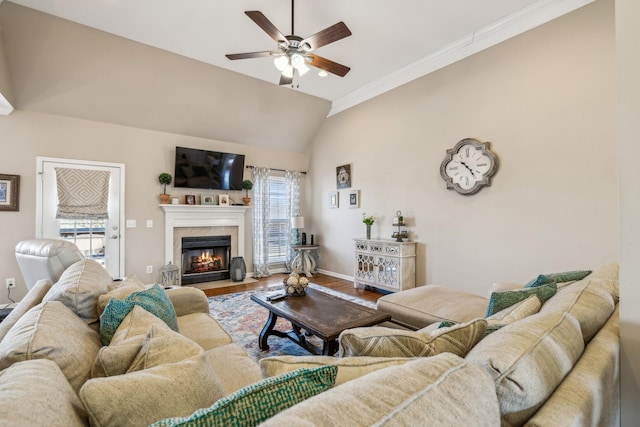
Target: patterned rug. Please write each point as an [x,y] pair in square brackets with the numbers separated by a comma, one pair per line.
[244,319]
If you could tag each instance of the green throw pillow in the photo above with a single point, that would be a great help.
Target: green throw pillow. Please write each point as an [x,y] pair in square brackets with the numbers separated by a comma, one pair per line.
[154,300]
[567,276]
[501,300]
[259,401]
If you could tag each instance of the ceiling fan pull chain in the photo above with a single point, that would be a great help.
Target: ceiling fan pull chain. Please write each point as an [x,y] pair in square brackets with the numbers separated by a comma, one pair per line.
[292,30]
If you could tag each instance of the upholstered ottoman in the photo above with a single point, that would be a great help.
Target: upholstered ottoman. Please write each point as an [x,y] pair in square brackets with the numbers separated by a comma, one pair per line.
[424,305]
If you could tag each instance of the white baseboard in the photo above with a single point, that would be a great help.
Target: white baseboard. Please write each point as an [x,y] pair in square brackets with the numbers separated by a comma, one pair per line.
[338,275]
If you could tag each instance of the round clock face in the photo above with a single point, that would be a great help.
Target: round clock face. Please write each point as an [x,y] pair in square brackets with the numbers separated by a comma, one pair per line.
[468,166]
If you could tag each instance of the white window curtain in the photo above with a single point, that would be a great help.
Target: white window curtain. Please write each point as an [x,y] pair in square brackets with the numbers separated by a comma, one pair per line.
[82,193]
[293,206]
[261,222]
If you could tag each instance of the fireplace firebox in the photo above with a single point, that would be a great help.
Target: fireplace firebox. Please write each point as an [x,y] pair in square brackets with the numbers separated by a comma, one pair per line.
[205,259]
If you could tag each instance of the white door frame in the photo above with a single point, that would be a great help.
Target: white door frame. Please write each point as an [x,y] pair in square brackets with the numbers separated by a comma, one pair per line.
[39,197]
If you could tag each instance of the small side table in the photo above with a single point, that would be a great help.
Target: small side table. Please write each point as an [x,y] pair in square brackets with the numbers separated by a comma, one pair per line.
[303,261]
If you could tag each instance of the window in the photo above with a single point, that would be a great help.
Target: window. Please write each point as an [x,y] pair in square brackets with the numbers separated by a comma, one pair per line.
[278,232]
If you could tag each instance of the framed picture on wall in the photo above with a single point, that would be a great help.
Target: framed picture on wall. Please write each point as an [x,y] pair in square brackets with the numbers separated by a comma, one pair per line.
[343,176]
[9,192]
[334,199]
[223,200]
[354,198]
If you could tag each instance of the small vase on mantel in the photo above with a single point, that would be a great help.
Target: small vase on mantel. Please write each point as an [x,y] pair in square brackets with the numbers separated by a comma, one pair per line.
[368,231]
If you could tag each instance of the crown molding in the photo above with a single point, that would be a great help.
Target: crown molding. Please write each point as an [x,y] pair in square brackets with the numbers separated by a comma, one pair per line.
[519,22]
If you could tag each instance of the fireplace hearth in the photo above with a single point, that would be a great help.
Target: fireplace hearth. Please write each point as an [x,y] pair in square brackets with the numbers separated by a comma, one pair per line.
[205,259]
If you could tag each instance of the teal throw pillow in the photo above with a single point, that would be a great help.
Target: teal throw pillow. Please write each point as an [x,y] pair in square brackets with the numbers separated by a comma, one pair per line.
[259,401]
[501,300]
[154,300]
[567,276]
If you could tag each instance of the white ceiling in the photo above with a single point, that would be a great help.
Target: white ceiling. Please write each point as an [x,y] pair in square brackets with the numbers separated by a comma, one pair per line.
[393,42]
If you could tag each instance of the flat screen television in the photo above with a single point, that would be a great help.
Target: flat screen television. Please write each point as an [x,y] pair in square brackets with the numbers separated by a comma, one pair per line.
[211,170]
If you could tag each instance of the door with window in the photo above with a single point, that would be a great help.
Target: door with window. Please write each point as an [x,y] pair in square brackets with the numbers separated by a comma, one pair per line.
[67,209]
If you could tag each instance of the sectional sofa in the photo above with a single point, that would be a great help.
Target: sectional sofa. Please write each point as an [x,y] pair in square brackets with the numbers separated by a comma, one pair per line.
[88,350]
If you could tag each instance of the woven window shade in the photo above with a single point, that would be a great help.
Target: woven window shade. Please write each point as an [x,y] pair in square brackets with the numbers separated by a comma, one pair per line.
[82,194]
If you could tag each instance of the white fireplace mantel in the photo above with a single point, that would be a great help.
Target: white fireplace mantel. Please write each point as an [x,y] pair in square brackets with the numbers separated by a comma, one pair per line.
[202,216]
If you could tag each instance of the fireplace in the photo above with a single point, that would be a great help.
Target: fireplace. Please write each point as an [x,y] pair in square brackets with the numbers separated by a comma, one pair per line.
[205,259]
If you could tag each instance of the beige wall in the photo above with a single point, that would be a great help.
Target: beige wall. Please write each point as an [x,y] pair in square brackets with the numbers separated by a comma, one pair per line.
[546,101]
[628,126]
[145,154]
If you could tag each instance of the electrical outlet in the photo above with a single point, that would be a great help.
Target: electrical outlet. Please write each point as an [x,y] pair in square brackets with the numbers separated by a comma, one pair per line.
[149,223]
[11,282]
[149,269]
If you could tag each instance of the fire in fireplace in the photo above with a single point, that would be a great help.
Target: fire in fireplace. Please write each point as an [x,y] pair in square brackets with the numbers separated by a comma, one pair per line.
[205,258]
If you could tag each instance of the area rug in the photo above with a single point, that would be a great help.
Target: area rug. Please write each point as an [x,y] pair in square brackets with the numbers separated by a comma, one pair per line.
[244,319]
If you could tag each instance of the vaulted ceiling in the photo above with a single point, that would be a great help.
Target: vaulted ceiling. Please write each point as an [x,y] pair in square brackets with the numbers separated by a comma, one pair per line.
[391,43]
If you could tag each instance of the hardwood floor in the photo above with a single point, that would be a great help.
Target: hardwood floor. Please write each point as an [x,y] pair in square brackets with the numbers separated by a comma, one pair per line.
[275,281]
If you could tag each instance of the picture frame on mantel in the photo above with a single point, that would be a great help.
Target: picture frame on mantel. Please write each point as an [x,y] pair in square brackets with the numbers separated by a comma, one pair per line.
[207,199]
[9,192]
[223,200]
[334,199]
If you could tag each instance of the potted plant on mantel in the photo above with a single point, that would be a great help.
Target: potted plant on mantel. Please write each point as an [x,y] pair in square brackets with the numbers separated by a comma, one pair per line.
[246,186]
[164,179]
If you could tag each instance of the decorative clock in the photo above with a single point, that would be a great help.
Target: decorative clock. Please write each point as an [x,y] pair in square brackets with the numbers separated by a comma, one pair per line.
[469,166]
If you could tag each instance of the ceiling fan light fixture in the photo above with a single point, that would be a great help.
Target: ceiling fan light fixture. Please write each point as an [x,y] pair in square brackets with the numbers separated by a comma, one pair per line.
[297,60]
[288,71]
[281,62]
[302,69]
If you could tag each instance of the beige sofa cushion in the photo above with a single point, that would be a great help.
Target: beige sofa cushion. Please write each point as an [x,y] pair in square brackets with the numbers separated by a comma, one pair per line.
[51,331]
[234,368]
[607,276]
[587,302]
[203,329]
[144,397]
[33,298]
[79,288]
[349,368]
[36,392]
[527,360]
[516,312]
[188,300]
[425,305]
[386,342]
[441,390]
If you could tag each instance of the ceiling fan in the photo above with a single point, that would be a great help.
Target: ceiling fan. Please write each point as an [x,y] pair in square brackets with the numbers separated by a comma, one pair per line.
[293,53]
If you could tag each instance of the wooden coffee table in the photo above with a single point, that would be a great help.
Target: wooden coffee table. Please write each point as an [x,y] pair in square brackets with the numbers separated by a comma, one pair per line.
[319,314]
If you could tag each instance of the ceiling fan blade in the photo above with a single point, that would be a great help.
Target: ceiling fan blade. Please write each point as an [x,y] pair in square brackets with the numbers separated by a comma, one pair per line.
[285,80]
[266,25]
[328,35]
[327,65]
[248,55]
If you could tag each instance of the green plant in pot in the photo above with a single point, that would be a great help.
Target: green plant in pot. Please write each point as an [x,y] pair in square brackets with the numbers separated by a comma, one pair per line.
[164,179]
[246,186]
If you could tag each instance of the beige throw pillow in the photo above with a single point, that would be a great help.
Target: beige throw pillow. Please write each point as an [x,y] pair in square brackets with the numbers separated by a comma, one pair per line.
[51,331]
[388,342]
[441,391]
[516,312]
[349,368]
[163,345]
[527,360]
[120,290]
[79,288]
[144,397]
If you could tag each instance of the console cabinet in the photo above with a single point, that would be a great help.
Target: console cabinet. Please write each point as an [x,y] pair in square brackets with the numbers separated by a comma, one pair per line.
[385,264]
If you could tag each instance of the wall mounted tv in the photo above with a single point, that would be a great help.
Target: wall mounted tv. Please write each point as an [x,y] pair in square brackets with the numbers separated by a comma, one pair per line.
[212,170]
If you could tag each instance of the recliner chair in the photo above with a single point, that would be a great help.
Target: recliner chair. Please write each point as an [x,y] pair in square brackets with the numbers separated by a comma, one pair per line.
[45,259]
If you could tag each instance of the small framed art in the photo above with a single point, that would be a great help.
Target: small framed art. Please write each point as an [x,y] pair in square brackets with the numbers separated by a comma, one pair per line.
[223,200]
[9,192]
[354,198]
[190,199]
[343,176]
[207,199]
[334,200]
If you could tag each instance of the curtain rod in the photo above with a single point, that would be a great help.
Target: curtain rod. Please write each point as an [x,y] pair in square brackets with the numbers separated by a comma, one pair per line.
[275,169]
